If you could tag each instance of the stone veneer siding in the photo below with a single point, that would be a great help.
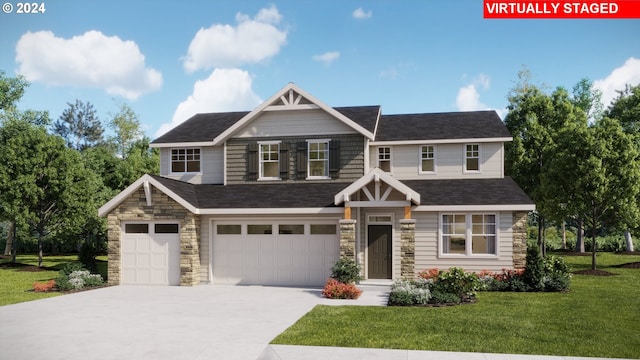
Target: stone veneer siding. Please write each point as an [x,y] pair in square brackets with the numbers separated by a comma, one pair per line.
[351,157]
[134,208]
[348,239]
[407,248]
[519,232]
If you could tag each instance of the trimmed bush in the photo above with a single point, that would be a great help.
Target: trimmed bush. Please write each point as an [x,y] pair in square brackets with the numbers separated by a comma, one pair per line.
[335,289]
[87,256]
[346,271]
[534,270]
[458,282]
[44,286]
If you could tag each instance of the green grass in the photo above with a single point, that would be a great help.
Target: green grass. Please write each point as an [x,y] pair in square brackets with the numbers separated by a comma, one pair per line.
[16,285]
[598,317]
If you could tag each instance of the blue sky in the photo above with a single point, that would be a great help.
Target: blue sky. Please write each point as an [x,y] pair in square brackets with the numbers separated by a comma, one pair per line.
[169,59]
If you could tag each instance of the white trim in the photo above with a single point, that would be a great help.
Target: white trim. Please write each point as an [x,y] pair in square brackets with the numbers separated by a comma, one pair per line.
[377,174]
[456,208]
[147,192]
[435,161]
[261,161]
[377,203]
[441,141]
[271,211]
[116,200]
[326,161]
[269,103]
[181,144]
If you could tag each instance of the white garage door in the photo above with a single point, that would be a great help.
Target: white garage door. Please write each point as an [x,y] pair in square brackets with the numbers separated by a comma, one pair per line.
[150,254]
[285,253]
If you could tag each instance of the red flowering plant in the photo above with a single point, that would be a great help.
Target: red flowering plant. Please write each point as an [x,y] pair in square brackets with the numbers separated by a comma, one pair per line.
[44,286]
[429,274]
[334,289]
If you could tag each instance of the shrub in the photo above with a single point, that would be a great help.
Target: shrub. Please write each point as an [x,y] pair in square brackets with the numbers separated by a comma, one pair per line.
[68,268]
[335,289]
[534,269]
[77,280]
[44,286]
[87,256]
[458,282]
[407,293]
[439,297]
[346,271]
[557,274]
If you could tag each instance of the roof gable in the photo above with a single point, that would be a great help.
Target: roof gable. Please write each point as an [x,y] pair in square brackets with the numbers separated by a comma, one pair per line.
[291,97]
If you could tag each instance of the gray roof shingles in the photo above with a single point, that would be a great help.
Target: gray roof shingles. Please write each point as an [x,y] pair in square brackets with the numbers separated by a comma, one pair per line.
[439,126]
[318,195]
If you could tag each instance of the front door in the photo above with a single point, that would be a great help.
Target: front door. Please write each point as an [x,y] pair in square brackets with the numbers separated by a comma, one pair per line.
[379,252]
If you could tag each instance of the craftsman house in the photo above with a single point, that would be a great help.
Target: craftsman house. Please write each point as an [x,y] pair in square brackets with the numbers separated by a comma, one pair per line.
[276,195]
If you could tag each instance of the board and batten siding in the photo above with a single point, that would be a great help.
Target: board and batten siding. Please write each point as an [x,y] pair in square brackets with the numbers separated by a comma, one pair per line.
[405,161]
[211,166]
[427,229]
[294,123]
[351,157]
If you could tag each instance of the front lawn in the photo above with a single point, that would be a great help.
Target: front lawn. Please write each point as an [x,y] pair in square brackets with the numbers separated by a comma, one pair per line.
[16,280]
[599,317]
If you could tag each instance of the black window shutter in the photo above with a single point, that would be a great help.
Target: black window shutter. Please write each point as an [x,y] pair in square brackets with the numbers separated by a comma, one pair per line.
[252,161]
[301,161]
[334,158]
[284,161]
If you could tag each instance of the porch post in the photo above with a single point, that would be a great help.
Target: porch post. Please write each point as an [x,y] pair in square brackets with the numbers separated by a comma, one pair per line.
[408,248]
[348,239]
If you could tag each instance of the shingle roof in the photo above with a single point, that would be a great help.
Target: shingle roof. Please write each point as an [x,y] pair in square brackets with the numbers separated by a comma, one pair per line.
[318,195]
[205,127]
[438,126]
[201,127]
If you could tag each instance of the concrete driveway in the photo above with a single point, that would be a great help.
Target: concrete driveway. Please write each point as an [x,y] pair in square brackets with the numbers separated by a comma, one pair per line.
[145,322]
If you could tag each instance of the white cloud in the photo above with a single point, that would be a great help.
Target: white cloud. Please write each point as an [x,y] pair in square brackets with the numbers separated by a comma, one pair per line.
[328,57]
[226,46]
[224,90]
[360,13]
[628,73]
[88,60]
[468,98]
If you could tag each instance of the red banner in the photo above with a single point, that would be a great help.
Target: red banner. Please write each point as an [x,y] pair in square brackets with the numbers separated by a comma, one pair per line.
[561,9]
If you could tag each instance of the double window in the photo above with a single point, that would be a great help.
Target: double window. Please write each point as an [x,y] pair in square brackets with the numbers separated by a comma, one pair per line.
[468,234]
[185,160]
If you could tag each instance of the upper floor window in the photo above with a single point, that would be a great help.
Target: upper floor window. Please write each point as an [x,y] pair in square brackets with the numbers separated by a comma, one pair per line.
[384,158]
[318,155]
[270,160]
[427,158]
[472,157]
[185,160]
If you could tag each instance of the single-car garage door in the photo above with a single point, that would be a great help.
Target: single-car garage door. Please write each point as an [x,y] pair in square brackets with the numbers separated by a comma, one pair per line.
[150,254]
[287,253]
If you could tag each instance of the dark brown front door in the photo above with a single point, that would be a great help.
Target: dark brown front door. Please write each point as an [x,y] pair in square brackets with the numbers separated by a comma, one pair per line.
[379,252]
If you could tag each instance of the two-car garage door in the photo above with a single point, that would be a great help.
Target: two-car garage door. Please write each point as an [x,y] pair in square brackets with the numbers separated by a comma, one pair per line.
[286,253]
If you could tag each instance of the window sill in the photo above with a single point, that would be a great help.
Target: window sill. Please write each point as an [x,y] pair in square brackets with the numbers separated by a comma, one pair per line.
[318,178]
[269,179]
[472,256]
[184,173]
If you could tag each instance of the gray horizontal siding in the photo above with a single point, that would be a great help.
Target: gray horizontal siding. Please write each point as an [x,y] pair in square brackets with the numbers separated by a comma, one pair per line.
[351,157]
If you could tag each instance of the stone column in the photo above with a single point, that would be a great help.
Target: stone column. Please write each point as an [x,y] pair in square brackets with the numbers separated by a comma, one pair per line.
[408,248]
[189,251]
[348,239]
[519,233]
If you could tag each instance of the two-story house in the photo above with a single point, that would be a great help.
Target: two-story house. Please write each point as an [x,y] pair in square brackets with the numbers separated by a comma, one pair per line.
[276,195]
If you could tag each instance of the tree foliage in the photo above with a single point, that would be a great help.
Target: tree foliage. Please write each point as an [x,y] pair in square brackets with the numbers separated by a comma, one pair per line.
[79,125]
[126,126]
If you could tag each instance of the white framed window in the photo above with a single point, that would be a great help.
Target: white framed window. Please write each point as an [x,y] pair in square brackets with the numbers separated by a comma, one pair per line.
[318,159]
[384,158]
[185,160]
[427,159]
[269,155]
[472,158]
[468,234]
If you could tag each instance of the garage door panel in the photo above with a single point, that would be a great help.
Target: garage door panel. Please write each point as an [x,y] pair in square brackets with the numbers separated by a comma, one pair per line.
[150,259]
[290,258]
